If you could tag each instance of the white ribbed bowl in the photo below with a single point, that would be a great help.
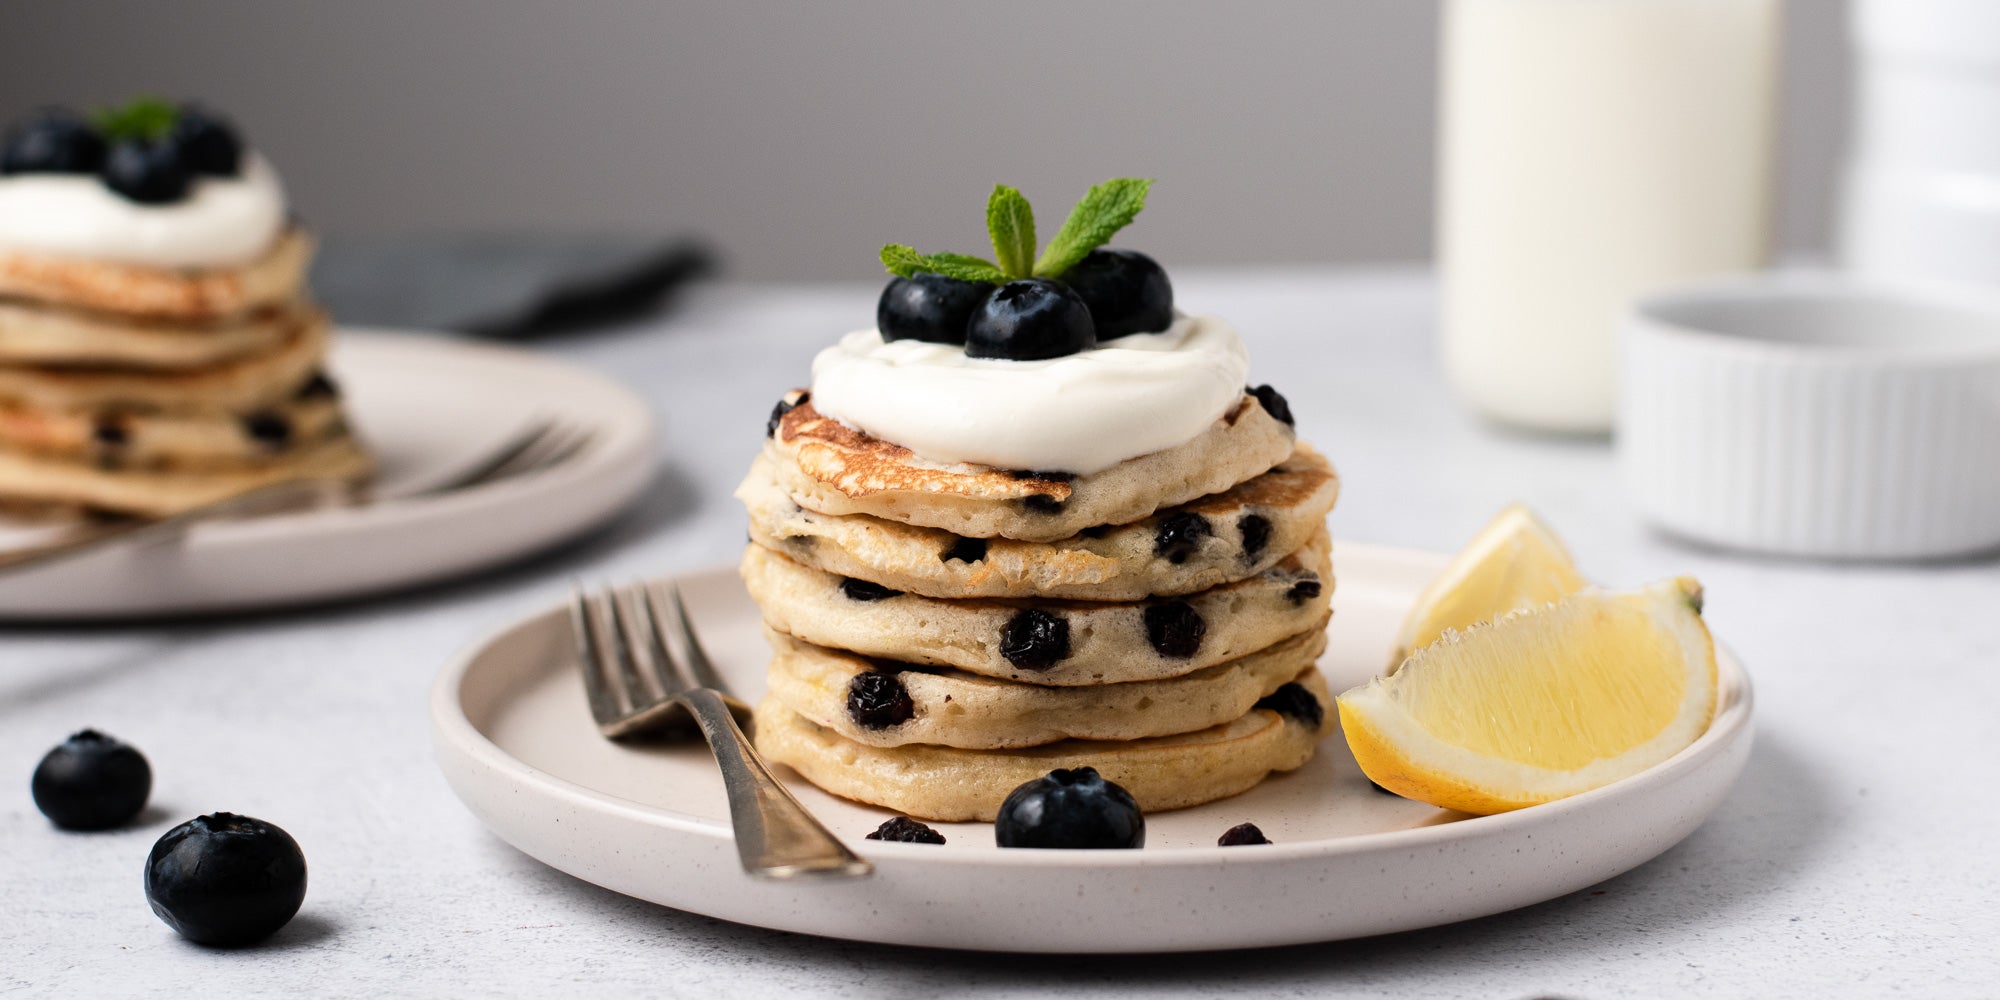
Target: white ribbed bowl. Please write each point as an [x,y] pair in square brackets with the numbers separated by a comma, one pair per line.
[1815,416]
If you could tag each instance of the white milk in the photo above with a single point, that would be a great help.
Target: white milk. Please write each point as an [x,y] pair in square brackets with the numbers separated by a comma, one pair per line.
[1591,150]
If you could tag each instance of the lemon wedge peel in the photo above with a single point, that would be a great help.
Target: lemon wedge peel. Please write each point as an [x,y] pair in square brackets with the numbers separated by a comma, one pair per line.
[1435,730]
[1516,561]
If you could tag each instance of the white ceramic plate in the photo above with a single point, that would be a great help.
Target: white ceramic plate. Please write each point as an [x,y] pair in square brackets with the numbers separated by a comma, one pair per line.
[515,740]
[428,407]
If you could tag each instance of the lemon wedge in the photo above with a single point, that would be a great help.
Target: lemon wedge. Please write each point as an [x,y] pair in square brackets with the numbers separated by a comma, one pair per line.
[1540,704]
[1514,562]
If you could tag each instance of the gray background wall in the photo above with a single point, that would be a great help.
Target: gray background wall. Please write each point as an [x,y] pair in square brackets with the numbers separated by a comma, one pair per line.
[800,136]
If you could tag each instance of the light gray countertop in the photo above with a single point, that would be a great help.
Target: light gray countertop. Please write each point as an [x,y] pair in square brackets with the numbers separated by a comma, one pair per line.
[1858,856]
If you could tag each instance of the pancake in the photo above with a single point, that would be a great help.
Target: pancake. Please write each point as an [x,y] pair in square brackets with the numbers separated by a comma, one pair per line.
[195,295]
[1250,528]
[1101,642]
[956,709]
[830,468]
[244,385]
[40,483]
[179,440]
[34,335]
[953,785]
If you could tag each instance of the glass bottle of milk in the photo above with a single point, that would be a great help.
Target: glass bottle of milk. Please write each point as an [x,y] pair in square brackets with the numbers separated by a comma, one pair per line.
[1591,150]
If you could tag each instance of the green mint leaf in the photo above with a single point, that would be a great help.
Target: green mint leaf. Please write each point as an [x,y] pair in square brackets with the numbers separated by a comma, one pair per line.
[1104,210]
[906,262]
[1011,224]
[145,118]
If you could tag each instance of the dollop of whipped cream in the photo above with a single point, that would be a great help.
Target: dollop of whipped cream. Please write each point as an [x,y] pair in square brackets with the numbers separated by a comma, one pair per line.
[224,221]
[1082,413]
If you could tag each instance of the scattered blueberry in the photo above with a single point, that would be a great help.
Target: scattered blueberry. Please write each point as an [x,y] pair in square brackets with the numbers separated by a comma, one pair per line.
[272,430]
[1303,591]
[1126,291]
[879,701]
[965,550]
[91,782]
[1070,808]
[929,307]
[778,412]
[1256,530]
[1035,639]
[1294,700]
[1242,835]
[209,144]
[149,171]
[1029,320]
[226,880]
[1042,503]
[1175,629]
[52,142]
[906,830]
[862,590]
[1273,403]
[1179,535]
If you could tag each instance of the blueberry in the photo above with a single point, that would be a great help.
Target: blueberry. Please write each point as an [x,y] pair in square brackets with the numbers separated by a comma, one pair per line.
[965,550]
[906,830]
[929,307]
[209,144]
[225,880]
[1126,291]
[271,430]
[1303,591]
[1175,629]
[1294,700]
[52,142]
[1242,835]
[91,782]
[1179,535]
[149,171]
[1028,320]
[1070,808]
[879,701]
[1256,530]
[862,590]
[1035,639]
[1042,503]
[1274,404]
[778,412]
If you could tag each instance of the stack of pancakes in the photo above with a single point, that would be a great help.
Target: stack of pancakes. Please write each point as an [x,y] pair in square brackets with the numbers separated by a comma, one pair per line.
[136,390]
[945,632]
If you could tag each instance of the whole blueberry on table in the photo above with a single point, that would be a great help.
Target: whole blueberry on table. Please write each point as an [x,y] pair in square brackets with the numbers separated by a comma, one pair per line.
[1070,808]
[226,880]
[91,782]
[929,307]
[1029,320]
[1127,292]
[1242,835]
[208,142]
[149,171]
[52,142]
[908,831]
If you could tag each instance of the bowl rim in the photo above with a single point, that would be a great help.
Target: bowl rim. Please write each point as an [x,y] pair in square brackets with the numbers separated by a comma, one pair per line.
[1643,318]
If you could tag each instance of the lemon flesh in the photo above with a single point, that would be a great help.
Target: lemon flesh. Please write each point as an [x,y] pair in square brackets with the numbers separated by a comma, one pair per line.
[1540,704]
[1514,562]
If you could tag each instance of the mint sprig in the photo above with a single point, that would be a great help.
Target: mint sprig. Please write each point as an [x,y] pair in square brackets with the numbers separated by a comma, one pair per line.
[145,118]
[1010,224]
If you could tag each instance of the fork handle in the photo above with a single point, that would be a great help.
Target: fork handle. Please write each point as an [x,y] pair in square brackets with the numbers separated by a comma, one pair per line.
[775,836]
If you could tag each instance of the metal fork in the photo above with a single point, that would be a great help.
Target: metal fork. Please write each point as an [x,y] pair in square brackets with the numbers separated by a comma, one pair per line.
[636,684]
[541,445]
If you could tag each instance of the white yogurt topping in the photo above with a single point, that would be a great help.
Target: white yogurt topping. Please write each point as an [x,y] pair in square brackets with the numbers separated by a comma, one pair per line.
[223,221]
[1084,413]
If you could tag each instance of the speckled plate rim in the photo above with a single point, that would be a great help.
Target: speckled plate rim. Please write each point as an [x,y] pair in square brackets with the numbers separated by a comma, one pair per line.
[478,769]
